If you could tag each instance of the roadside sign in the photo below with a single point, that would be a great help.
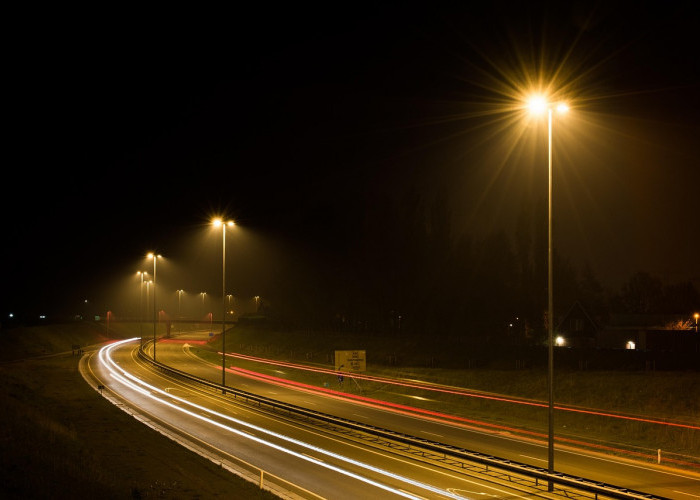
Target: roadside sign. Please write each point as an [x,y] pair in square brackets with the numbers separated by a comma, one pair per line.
[350,361]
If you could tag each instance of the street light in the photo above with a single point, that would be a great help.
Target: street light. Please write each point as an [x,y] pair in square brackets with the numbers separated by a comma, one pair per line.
[203,294]
[537,105]
[155,311]
[220,223]
[179,300]
[148,293]
[697,315]
[142,274]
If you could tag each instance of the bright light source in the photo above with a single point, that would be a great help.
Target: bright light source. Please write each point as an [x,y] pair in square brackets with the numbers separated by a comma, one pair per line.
[218,222]
[562,107]
[537,104]
[630,345]
[560,341]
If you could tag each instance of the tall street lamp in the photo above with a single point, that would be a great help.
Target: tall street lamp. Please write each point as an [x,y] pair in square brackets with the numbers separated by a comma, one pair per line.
[142,274]
[538,105]
[203,294]
[155,310]
[179,301]
[220,223]
[148,293]
[697,315]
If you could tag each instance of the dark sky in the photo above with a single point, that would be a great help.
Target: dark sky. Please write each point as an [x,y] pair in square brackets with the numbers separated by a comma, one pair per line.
[126,130]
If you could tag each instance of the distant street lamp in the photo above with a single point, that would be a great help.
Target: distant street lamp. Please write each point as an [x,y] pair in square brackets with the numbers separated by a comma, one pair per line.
[179,300]
[155,310]
[148,293]
[141,273]
[220,223]
[538,105]
[697,315]
[203,294]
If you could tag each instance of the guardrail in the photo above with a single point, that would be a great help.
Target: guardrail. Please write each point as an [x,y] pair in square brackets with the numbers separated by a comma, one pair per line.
[448,452]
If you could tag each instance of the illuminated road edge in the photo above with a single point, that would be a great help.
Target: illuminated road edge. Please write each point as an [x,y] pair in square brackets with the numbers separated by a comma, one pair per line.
[145,389]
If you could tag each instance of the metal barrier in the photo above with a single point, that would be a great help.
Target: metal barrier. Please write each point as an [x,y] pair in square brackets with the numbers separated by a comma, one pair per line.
[448,452]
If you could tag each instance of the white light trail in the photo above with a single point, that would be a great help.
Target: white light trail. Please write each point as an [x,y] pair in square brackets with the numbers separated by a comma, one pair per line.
[142,387]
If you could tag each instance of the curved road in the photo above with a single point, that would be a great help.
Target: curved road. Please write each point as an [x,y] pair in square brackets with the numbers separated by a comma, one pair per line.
[323,465]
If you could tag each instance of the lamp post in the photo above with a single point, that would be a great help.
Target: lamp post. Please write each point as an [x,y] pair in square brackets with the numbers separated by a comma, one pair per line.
[203,294]
[697,315]
[155,310]
[220,223]
[179,302]
[141,273]
[538,105]
[148,293]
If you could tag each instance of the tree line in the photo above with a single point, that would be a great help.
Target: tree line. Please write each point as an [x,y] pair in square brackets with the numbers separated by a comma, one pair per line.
[401,269]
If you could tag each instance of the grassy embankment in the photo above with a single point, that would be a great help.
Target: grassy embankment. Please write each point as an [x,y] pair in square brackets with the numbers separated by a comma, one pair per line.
[61,439]
[657,395]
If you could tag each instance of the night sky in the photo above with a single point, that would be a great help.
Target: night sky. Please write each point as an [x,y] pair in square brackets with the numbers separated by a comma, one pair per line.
[127,130]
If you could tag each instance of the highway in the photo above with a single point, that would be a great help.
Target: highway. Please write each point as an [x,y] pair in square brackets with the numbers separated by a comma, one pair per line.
[300,461]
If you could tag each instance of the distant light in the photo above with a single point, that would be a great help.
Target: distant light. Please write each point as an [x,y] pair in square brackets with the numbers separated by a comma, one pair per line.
[560,341]
[12,315]
[217,222]
[42,316]
[630,345]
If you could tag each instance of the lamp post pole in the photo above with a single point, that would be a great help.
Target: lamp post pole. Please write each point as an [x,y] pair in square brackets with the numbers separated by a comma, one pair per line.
[550,308]
[179,303]
[155,310]
[219,222]
[538,104]
[141,309]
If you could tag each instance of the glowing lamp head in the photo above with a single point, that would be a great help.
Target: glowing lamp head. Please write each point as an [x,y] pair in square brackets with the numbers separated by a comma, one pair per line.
[537,104]
[218,222]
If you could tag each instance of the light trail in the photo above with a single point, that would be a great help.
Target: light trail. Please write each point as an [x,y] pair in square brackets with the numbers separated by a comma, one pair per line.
[440,417]
[463,392]
[145,389]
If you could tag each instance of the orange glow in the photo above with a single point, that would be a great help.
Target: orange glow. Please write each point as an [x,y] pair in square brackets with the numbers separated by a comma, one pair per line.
[218,222]
[537,104]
